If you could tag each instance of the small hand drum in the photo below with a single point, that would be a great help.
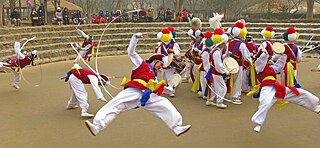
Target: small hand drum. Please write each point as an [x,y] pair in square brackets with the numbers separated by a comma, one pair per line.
[231,65]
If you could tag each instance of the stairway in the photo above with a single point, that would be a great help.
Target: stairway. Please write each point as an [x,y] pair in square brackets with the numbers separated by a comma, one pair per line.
[52,42]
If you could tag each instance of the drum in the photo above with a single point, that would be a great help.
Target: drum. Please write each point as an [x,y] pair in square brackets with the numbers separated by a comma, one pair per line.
[278,48]
[178,64]
[231,65]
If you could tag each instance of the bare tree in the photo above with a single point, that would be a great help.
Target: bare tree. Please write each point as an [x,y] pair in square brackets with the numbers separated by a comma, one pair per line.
[310,6]
[1,12]
[55,3]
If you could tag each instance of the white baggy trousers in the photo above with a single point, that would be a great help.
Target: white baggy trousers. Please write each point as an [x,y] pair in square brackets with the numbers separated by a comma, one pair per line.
[219,87]
[129,99]
[78,93]
[17,76]
[267,99]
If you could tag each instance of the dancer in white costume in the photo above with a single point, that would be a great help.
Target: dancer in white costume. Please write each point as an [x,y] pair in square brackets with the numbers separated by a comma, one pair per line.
[77,77]
[239,51]
[168,46]
[15,65]
[217,71]
[272,91]
[143,91]
[86,50]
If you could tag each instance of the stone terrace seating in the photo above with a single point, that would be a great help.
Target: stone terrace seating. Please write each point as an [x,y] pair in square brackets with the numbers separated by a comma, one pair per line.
[53,42]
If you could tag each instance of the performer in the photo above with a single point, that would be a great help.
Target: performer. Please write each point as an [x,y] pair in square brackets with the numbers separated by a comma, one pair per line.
[77,77]
[143,91]
[197,46]
[239,51]
[15,65]
[167,47]
[205,57]
[86,50]
[272,92]
[217,72]
[249,79]
[294,56]
[189,64]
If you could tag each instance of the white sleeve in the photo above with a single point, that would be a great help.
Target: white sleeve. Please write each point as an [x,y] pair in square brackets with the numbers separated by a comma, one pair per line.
[261,62]
[205,61]
[80,32]
[299,56]
[94,83]
[176,49]
[86,47]
[135,58]
[245,52]
[280,63]
[218,63]
[17,50]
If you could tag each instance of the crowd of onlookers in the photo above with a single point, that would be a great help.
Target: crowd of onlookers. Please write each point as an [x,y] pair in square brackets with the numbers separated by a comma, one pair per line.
[148,15]
[37,16]
[65,17]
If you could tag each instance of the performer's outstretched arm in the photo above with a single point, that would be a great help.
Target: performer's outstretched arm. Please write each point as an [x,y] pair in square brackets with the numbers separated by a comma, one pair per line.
[82,33]
[135,58]
[17,50]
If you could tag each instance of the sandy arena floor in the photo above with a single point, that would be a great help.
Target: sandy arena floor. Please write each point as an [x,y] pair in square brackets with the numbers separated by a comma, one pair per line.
[36,116]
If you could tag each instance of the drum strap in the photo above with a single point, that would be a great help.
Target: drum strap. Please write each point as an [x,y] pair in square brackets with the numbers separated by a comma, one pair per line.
[235,48]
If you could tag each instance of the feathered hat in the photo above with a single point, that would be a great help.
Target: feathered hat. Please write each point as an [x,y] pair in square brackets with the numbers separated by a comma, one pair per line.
[238,30]
[164,35]
[208,40]
[290,35]
[174,34]
[215,20]
[268,32]
[219,37]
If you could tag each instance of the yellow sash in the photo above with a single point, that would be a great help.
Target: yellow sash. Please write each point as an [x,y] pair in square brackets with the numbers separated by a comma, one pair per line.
[290,74]
[150,84]
[252,75]
[279,103]
[196,83]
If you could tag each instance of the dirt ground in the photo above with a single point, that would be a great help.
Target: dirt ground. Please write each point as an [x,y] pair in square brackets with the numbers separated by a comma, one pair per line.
[36,116]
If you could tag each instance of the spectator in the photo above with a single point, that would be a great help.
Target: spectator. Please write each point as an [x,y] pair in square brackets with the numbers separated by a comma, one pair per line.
[34,17]
[142,15]
[101,17]
[185,15]
[108,16]
[134,16]
[94,19]
[41,14]
[74,18]
[125,16]
[15,17]
[78,14]
[168,15]
[190,15]
[58,16]
[161,14]
[117,13]
[66,16]
[179,16]
[150,14]
[101,14]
